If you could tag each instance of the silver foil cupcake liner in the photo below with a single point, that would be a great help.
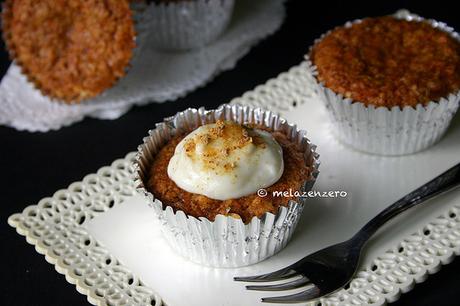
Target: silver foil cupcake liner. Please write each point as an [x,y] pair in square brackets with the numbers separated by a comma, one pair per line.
[384,131]
[226,241]
[187,25]
[138,9]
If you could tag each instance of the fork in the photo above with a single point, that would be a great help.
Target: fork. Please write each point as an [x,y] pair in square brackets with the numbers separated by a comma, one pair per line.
[331,268]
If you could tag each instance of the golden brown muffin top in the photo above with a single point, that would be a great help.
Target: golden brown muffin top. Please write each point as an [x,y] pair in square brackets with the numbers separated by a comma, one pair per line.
[71,50]
[385,61]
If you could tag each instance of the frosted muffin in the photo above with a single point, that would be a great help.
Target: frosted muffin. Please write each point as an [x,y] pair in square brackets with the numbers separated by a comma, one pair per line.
[70,50]
[218,168]
[391,84]
[202,172]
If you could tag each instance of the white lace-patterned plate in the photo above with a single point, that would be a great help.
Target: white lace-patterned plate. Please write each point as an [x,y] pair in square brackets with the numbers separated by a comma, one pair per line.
[154,76]
[88,230]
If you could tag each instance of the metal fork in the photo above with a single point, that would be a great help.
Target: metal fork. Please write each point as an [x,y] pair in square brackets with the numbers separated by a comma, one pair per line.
[331,268]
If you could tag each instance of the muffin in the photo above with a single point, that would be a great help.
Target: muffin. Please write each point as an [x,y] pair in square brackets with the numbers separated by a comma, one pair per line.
[181,25]
[391,84]
[211,178]
[289,172]
[70,50]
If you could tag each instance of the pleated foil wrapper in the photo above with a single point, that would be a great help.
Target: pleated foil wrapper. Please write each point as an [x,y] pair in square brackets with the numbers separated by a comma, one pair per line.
[226,241]
[385,131]
[186,25]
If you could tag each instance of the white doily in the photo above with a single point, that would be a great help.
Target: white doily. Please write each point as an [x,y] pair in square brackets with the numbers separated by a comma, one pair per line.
[154,76]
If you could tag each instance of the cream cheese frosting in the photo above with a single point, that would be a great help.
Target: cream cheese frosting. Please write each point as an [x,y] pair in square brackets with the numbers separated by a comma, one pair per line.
[226,160]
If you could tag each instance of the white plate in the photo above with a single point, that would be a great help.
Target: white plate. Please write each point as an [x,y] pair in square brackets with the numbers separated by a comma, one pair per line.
[122,230]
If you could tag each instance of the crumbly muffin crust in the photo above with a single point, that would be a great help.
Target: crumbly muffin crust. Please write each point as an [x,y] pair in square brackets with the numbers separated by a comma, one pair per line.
[388,62]
[294,175]
[71,50]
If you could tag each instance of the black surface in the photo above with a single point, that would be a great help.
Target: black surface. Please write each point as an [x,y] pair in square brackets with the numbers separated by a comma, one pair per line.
[35,165]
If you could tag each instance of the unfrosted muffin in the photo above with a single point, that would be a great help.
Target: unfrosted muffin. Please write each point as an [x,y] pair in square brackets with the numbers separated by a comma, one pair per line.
[391,84]
[71,50]
[389,62]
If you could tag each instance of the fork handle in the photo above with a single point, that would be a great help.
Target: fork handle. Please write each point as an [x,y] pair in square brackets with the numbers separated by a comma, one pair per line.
[442,183]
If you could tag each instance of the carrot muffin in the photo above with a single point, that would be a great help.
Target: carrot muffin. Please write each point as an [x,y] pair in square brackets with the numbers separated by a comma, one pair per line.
[209,182]
[223,149]
[71,50]
[391,85]
[389,62]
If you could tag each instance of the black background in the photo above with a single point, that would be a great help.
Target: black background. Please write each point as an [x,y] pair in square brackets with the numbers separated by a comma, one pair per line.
[35,165]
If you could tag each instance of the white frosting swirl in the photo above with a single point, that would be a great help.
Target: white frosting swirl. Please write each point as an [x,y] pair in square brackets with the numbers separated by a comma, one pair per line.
[226,160]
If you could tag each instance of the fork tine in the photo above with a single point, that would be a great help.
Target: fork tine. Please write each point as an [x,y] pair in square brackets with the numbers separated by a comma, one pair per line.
[304,296]
[268,277]
[286,286]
